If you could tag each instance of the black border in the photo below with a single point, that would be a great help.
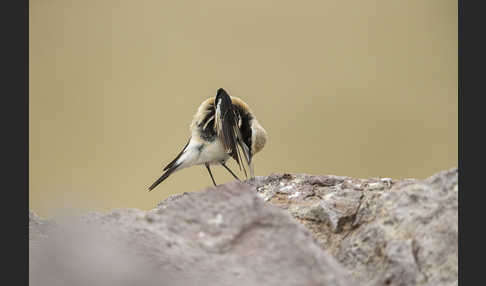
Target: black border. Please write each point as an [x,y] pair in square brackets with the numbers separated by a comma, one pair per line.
[471,49]
[14,23]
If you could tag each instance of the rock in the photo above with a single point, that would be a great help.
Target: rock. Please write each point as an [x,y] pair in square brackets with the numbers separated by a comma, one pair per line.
[284,229]
[220,236]
[386,232]
[78,254]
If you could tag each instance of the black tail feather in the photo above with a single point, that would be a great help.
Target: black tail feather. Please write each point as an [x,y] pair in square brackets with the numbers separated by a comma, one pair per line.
[163,177]
[171,164]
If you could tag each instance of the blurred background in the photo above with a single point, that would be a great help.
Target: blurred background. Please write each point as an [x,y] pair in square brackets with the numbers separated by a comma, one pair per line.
[354,88]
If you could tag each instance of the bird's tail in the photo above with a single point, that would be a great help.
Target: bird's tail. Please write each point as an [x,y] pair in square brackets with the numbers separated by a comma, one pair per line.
[164,176]
[171,167]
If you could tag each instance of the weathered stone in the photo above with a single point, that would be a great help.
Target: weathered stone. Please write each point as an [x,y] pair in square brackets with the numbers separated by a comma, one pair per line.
[221,236]
[284,229]
[386,232]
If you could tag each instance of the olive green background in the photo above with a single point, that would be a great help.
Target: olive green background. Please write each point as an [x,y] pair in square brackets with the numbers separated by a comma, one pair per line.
[355,88]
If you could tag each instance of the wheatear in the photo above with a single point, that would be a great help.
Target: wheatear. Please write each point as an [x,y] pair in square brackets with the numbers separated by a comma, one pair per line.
[221,127]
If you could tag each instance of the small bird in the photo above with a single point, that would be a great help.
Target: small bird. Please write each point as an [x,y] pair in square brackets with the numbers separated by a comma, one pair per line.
[222,127]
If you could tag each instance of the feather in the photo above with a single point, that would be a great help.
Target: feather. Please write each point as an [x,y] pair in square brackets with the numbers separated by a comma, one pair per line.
[227,123]
[171,164]
[164,176]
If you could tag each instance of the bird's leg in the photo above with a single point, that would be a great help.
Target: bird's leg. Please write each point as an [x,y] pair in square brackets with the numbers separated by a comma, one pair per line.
[209,170]
[224,165]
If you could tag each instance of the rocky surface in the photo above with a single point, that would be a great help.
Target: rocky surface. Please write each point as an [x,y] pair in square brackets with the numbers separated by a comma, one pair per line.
[387,232]
[220,236]
[284,229]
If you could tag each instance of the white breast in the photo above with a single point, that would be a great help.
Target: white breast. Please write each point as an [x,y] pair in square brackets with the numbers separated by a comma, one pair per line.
[211,153]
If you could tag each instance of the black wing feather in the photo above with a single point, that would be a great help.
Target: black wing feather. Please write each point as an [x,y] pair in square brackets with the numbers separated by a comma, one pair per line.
[229,131]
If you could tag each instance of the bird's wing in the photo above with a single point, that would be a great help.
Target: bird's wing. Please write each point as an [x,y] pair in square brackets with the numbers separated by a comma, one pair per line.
[227,121]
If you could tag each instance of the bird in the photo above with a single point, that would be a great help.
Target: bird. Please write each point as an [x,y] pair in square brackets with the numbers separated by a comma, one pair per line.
[223,127]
